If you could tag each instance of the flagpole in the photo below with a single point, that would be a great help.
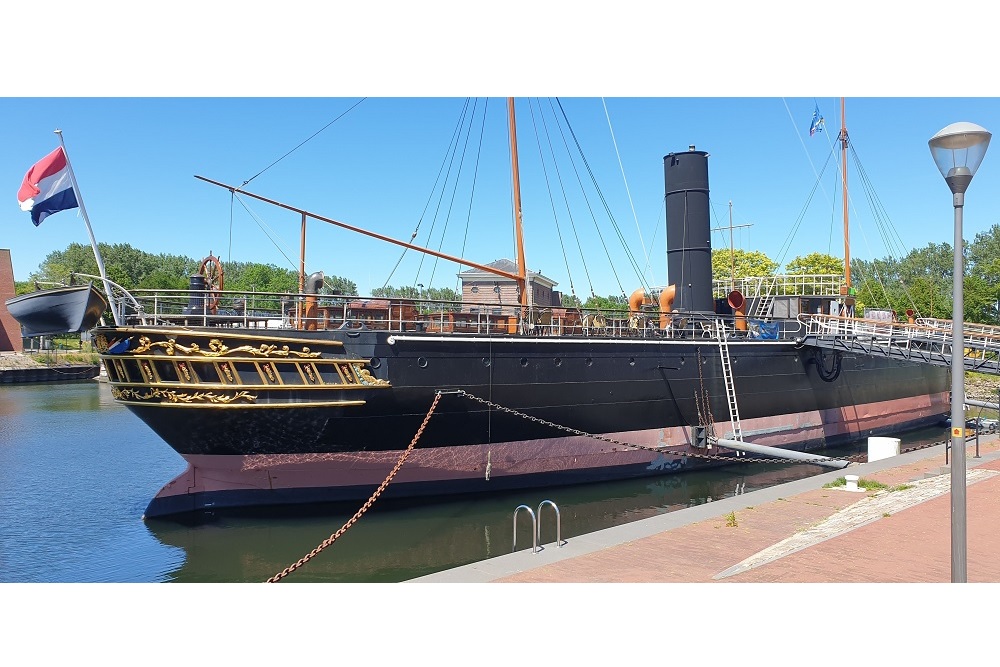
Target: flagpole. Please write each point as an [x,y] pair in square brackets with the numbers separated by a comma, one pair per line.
[93,241]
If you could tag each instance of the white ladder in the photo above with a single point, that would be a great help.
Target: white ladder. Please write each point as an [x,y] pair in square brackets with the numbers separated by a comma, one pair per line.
[727,376]
[764,301]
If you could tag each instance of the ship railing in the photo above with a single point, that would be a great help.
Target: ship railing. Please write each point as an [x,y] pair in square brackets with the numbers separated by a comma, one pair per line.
[809,284]
[919,337]
[282,310]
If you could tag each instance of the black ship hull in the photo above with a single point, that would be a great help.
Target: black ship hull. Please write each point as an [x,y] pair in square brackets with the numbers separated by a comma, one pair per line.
[513,411]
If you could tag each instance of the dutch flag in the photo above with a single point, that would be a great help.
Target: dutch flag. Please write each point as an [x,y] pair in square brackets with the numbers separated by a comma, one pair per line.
[48,187]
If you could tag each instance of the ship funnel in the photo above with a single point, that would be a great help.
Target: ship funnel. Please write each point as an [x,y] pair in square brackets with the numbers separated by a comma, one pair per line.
[689,244]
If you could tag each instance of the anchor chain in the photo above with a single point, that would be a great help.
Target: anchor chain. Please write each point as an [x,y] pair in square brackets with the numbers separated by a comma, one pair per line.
[364,508]
[857,458]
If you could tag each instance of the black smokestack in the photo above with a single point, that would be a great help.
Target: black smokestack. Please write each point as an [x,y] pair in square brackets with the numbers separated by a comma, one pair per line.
[689,241]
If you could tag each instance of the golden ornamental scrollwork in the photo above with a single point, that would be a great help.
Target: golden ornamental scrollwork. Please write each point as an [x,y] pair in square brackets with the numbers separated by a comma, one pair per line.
[366,378]
[172,396]
[101,343]
[216,348]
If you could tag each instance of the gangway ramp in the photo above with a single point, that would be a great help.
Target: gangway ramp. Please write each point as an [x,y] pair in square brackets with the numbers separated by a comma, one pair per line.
[925,341]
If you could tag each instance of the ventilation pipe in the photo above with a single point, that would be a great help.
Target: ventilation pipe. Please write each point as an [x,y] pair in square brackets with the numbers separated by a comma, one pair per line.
[314,283]
[666,305]
[739,306]
[637,300]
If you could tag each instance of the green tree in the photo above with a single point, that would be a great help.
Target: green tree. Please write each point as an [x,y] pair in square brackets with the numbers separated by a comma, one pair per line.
[571,301]
[606,304]
[816,263]
[748,264]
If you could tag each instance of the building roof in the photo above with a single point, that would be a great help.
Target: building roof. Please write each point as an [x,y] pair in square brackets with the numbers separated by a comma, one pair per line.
[508,266]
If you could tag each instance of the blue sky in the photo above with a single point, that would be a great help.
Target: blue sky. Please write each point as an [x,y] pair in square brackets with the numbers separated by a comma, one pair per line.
[375,167]
[228,105]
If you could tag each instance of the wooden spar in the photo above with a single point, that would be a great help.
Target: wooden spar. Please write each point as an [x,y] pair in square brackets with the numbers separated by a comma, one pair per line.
[299,324]
[522,286]
[843,162]
[387,239]
[302,257]
[732,251]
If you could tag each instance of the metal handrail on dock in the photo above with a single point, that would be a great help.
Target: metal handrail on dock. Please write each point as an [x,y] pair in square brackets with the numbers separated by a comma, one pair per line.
[536,530]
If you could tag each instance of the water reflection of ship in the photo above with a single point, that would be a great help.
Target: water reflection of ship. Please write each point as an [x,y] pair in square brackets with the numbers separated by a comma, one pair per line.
[400,541]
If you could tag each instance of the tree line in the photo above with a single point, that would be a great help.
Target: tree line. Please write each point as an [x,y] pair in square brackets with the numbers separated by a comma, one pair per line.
[920,281]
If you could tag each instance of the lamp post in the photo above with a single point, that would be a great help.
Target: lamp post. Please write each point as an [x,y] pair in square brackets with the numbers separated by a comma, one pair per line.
[958,151]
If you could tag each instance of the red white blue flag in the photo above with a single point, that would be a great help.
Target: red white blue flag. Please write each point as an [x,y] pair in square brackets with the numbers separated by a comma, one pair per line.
[48,187]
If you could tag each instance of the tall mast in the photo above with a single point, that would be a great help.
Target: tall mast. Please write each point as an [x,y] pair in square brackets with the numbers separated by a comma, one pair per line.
[518,231]
[732,251]
[843,163]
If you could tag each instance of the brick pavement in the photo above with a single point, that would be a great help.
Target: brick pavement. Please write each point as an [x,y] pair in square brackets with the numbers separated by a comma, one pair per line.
[911,544]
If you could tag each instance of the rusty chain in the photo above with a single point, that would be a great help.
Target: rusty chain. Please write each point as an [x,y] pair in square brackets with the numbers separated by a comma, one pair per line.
[857,458]
[461,392]
[364,508]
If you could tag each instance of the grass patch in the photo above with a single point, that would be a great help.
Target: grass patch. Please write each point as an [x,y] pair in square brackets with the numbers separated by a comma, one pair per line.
[866,484]
[901,487]
[731,520]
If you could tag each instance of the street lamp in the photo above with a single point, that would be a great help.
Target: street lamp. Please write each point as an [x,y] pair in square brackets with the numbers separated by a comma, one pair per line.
[958,150]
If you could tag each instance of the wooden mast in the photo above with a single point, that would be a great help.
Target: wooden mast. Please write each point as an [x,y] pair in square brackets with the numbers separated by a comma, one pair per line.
[843,163]
[522,271]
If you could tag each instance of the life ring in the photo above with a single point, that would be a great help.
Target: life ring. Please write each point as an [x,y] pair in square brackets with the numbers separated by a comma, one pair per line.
[211,269]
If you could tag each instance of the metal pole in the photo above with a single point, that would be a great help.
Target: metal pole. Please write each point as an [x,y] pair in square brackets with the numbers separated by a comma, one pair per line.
[93,241]
[958,502]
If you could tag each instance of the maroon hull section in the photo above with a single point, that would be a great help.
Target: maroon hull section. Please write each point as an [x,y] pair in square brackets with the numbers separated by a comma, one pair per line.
[240,480]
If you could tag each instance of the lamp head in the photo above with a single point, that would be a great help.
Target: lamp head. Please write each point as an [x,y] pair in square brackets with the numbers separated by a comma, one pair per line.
[958,150]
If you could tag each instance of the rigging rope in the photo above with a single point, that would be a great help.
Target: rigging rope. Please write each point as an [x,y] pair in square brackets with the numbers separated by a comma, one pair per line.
[548,186]
[311,137]
[430,196]
[625,181]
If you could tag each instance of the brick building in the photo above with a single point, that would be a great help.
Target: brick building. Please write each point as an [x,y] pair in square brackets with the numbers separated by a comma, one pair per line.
[484,292]
[10,330]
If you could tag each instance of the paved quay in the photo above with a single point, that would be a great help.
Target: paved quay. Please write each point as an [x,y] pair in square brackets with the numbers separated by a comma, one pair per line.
[797,532]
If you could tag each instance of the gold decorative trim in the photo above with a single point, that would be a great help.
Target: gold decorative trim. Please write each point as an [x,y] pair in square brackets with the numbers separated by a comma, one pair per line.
[173,332]
[227,370]
[180,397]
[219,349]
[366,378]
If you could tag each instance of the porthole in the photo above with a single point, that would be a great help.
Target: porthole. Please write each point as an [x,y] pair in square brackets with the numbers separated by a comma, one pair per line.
[557,361]
[475,290]
[421,362]
[589,362]
[524,362]
[631,361]
[375,362]
[486,362]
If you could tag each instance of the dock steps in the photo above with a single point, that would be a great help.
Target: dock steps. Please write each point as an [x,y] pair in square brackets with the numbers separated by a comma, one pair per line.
[536,530]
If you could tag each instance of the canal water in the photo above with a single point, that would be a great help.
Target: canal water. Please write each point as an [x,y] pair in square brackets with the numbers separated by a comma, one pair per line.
[77,470]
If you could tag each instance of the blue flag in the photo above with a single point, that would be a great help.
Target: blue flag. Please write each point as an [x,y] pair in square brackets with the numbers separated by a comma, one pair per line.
[817,122]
